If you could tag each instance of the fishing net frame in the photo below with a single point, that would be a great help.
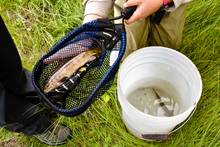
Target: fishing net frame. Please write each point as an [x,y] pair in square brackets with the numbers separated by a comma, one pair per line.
[101,25]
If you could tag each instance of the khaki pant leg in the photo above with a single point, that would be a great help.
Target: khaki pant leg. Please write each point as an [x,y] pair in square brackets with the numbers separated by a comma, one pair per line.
[169,32]
[137,32]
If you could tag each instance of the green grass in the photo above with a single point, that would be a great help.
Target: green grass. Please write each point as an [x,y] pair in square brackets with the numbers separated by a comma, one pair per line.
[37,24]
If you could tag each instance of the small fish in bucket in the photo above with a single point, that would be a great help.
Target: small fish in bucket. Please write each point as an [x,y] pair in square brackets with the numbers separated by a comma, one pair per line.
[77,69]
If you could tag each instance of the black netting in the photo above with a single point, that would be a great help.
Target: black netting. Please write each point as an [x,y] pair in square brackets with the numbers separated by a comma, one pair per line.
[87,85]
[76,96]
[78,67]
[74,47]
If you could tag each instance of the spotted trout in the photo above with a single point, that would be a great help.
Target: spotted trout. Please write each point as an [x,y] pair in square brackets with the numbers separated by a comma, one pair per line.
[69,68]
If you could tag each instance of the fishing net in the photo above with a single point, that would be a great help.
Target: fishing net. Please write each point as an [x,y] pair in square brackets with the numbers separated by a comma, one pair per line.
[77,69]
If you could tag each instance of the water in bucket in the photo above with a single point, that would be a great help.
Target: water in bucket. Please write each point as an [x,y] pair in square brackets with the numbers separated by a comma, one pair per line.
[157,98]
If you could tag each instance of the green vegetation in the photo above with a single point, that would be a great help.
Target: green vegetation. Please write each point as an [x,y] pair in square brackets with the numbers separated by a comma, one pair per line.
[37,24]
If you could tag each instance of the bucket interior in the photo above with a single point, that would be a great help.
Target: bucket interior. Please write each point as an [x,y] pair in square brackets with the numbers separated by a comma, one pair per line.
[175,77]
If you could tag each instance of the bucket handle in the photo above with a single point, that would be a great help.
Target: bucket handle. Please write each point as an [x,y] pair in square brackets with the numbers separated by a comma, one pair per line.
[180,125]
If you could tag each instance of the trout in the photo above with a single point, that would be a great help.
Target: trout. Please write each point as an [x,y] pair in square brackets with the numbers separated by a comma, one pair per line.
[164,107]
[69,68]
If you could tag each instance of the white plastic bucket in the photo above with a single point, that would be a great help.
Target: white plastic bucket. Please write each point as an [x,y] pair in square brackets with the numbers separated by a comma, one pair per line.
[165,64]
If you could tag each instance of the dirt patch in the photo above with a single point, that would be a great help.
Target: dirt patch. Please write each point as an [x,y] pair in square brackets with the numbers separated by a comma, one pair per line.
[12,142]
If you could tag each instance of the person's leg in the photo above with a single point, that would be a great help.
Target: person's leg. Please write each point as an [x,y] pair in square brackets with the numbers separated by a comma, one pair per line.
[137,33]
[145,32]
[17,113]
[169,32]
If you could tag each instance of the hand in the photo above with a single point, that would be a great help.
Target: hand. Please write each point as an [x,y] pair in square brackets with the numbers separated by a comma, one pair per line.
[144,8]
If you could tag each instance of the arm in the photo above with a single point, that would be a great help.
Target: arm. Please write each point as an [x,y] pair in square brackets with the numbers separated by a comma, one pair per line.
[95,9]
[177,3]
[147,7]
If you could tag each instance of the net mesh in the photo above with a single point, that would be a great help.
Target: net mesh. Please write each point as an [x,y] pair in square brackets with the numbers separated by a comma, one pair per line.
[79,93]
[78,87]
